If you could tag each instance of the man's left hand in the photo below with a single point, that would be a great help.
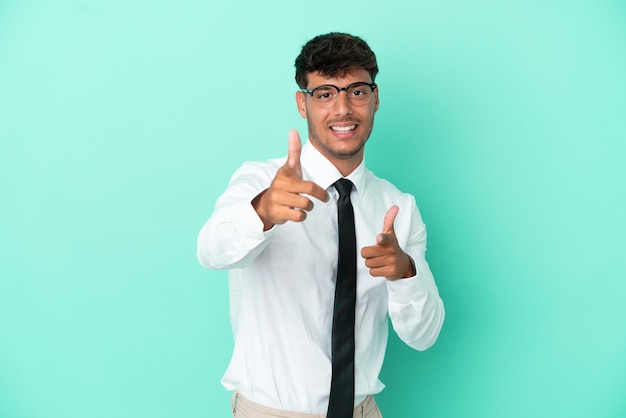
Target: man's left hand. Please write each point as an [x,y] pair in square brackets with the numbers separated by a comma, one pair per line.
[386,258]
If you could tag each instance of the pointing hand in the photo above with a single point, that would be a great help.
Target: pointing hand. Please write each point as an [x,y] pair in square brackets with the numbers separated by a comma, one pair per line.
[283,200]
[386,258]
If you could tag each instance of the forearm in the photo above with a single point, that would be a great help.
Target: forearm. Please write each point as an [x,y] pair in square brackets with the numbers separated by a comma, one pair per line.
[415,307]
[233,236]
[416,310]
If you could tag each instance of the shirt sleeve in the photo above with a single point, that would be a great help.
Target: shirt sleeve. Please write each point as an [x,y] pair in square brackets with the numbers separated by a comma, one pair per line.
[233,236]
[415,307]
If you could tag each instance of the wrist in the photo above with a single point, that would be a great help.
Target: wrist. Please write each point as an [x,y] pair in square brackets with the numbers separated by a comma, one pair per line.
[259,207]
[410,270]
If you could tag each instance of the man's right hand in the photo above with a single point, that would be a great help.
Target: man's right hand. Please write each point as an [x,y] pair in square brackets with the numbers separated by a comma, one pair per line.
[283,200]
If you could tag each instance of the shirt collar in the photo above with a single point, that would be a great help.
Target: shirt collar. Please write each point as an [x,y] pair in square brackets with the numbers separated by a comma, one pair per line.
[319,170]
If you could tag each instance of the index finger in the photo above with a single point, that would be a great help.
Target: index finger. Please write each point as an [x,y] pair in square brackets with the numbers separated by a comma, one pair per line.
[384,239]
[312,189]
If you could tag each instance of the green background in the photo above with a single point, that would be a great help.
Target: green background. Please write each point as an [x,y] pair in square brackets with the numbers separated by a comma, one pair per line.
[122,121]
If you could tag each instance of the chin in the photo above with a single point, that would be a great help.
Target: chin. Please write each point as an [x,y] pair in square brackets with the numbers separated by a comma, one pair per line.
[346,154]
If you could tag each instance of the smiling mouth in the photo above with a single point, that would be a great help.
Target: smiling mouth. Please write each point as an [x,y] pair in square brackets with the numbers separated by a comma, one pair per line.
[343,129]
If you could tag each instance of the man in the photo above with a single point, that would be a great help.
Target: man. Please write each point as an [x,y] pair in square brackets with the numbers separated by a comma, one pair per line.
[301,243]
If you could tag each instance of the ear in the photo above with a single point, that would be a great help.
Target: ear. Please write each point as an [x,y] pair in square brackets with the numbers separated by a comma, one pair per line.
[301,103]
[376,97]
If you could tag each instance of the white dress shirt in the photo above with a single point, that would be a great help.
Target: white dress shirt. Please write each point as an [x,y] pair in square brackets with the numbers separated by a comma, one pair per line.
[282,286]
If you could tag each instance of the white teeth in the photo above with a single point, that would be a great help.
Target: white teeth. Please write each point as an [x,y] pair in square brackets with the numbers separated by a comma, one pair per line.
[343,128]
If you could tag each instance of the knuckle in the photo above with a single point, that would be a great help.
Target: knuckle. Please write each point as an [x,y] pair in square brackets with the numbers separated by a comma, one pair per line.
[308,187]
[303,203]
[301,215]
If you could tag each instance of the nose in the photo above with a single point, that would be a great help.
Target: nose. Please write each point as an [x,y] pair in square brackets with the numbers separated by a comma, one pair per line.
[343,105]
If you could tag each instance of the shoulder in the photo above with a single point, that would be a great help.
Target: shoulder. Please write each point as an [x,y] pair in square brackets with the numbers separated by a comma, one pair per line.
[267,165]
[382,188]
[252,171]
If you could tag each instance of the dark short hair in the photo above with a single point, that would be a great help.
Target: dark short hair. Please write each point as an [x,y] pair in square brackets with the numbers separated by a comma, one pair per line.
[333,55]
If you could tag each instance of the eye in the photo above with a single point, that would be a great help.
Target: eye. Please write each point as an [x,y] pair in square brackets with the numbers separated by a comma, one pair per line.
[359,91]
[324,94]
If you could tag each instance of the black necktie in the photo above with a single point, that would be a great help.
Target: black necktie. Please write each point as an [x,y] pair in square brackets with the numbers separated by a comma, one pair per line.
[341,401]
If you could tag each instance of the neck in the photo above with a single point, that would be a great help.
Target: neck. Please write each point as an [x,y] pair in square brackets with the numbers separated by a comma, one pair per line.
[345,164]
[346,167]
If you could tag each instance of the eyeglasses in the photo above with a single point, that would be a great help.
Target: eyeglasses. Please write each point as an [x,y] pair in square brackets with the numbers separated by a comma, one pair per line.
[326,95]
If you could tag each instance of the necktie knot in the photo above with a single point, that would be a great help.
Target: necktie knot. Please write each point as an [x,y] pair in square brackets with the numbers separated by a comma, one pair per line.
[344,187]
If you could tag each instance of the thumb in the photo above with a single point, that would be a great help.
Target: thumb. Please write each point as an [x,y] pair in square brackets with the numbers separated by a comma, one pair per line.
[293,153]
[388,234]
[390,217]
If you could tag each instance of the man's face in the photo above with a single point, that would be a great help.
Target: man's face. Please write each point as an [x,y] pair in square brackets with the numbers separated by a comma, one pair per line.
[339,132]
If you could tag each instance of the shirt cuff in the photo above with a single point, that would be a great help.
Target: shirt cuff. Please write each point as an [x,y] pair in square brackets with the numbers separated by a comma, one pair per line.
[240,234]
[250,225]
[405,290]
